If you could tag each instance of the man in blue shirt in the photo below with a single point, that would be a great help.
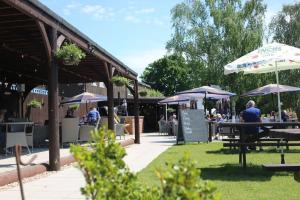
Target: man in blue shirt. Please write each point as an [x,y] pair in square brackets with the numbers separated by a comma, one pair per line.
[93,116]
[251,114]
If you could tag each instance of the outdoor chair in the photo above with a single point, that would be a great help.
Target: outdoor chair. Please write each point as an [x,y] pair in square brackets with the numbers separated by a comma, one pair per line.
[119,130]
[16,134]
[163,127]
[70,130]
[85,132]
[175,129]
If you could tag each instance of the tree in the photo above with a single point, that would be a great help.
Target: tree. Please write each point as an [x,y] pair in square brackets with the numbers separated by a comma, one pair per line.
[213,33]
[285,28]
[167,75]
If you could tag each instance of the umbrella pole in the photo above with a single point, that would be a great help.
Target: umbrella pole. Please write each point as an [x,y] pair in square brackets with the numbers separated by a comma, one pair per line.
[166,111]
[273,105]
[205,104]
[278,93]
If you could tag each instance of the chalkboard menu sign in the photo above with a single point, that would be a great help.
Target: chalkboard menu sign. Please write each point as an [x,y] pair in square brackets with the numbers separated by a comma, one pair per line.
[192,126]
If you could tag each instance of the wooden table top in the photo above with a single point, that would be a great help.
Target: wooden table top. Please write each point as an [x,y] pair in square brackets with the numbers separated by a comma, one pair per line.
[259,123]
[289,133]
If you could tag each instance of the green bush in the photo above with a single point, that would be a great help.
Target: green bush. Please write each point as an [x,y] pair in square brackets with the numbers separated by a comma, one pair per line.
[74,106]
[108,177]
[143,93]
[181,181]
[154,93]
[70,54]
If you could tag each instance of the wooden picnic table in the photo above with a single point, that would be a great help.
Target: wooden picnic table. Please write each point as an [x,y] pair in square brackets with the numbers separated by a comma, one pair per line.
[243,125]
[289,133]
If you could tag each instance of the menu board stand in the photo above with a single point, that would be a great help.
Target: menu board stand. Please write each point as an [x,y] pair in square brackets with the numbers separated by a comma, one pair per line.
[192,126]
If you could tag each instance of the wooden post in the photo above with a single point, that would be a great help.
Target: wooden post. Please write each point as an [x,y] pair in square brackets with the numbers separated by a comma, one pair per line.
[110,97]
[136,113]
[54,154]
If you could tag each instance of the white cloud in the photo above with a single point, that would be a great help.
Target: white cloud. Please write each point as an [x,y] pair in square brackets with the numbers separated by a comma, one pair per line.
[67,10]
[133,19]
[92,9]
[145,11]
[139,60]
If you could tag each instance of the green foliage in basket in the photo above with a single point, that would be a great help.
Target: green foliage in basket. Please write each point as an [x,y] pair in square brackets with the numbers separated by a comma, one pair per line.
[34,104]
[120,81]
[70,54]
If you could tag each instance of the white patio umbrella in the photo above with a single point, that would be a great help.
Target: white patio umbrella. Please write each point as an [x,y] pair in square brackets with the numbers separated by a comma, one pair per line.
[85,97]
[272,57]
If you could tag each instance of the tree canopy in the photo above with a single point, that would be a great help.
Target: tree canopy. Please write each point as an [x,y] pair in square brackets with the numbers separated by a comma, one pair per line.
[208,34]
[167,75]
[285,28]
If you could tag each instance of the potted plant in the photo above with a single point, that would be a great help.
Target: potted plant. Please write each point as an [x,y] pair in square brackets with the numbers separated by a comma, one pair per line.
[32,104]
[71,109]
[70,54]
[120,81]
[143,93]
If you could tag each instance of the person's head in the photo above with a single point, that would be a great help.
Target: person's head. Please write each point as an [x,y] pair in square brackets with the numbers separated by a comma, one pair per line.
[250,104]
[219,116]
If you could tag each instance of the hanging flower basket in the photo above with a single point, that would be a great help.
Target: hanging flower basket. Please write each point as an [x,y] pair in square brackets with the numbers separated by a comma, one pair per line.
[35,104]
[70,54]
[120,81]
[143,93]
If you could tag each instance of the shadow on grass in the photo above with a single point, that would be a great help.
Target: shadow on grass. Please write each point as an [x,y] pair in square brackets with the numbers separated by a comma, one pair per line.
[230,172]
[265,150]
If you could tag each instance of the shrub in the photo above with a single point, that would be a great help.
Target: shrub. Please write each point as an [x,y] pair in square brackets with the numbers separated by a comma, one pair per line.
[154,93]
[107,176]
[181,181]
[74,106]
[171,110]
[143,93]
[120,81]
[70,54]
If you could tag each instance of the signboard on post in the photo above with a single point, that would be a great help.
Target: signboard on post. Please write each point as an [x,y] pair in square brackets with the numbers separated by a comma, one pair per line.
[192,126]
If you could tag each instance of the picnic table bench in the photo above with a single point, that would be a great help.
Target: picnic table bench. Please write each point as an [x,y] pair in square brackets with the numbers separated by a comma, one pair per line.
[284,167]
[243,145]
[233,141]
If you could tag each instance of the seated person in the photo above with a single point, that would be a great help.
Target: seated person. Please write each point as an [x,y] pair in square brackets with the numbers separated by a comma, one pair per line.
[93,116]
[251,114]
[284,116]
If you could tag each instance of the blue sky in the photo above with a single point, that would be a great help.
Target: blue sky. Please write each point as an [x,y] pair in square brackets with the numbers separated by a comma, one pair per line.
[134,31]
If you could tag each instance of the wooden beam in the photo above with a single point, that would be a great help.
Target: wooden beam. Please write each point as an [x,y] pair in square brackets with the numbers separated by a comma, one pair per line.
[110,98]
[54,154]
[34,12]
[45,39]
[136,114]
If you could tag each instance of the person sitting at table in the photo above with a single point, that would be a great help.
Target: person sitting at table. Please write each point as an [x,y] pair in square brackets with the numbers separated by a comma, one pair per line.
[93,116]
[284,116]
[251,114]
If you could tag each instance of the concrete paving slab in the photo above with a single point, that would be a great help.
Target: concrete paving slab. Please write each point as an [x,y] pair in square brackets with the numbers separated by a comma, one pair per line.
[66,183]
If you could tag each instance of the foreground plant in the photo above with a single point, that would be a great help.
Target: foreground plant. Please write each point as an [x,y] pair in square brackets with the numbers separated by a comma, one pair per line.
[108,177]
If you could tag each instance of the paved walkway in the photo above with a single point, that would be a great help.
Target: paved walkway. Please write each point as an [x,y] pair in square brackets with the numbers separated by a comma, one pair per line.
[8,163]
[65,184]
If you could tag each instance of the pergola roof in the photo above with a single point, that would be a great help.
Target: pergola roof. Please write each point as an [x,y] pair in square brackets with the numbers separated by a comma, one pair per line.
[24,52]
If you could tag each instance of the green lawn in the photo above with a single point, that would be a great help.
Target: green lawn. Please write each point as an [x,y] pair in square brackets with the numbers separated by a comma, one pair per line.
[221,166]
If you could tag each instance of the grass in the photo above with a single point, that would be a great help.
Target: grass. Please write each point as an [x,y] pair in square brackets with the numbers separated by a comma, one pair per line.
[221,167]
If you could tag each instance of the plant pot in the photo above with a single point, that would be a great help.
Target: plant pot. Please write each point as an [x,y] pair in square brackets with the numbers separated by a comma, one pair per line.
[70,62]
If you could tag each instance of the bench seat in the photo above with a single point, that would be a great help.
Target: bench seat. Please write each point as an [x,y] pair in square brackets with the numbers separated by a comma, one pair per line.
[282,167]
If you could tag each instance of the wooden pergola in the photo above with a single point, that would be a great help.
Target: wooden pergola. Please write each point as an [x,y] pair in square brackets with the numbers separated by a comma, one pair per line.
[30,34]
